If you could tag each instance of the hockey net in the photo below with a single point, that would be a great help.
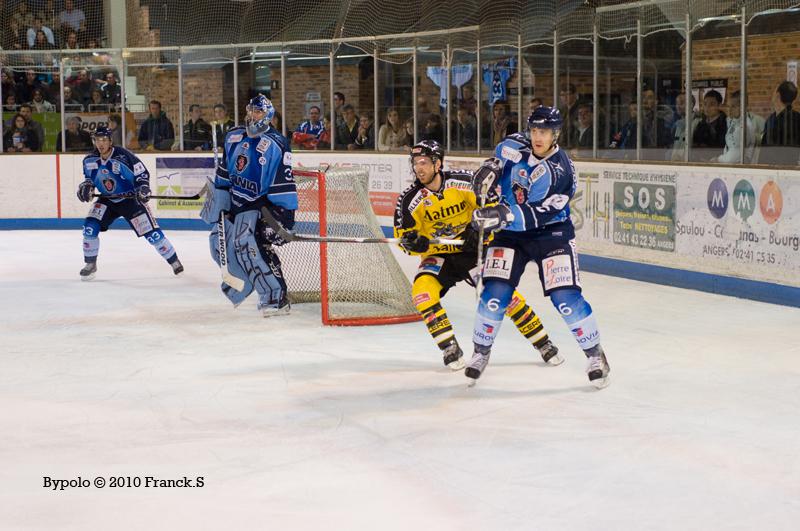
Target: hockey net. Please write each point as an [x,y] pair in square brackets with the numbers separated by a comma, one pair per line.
[356,283]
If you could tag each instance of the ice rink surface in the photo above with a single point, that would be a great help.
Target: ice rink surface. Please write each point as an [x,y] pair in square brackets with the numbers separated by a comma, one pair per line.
[294,425]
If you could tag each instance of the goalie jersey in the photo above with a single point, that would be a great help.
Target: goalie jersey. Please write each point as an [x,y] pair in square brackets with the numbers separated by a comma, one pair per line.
[443,214]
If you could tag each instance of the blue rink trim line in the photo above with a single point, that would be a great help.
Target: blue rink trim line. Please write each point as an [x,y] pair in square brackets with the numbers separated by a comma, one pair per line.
[681,278]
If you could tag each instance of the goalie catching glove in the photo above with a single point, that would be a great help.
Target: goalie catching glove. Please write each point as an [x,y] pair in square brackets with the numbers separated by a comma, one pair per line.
[414,242]
[492,218]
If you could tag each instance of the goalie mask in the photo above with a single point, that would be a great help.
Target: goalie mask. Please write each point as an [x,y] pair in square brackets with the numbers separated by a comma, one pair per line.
[259,115]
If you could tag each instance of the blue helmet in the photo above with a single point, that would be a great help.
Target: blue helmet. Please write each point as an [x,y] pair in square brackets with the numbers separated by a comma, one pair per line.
[260,103]
[102,131]
[545,118]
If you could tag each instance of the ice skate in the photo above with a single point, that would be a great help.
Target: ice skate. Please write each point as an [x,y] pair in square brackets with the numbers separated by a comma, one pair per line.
[453,356]
[550,353]
[282,308]
[478,363]
[177,267]
[597,369]
[89,270]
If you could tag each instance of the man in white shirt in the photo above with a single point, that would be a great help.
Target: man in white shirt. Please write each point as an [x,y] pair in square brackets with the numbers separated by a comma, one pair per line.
[38,25]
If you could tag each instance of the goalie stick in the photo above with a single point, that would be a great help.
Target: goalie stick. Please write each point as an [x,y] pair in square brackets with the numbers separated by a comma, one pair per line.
[291,236]
[228,278]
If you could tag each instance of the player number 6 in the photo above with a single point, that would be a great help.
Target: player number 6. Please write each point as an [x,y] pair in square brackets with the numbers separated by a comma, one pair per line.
[564,309]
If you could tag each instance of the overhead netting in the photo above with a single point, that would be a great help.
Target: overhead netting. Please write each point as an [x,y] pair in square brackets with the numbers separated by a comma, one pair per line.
[357,283]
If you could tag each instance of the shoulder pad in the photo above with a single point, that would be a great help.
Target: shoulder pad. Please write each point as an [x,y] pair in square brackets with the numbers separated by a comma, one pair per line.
[235,134]
[512,149]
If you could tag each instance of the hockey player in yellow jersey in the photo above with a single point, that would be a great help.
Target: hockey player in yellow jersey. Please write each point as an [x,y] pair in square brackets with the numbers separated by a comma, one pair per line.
[439,204]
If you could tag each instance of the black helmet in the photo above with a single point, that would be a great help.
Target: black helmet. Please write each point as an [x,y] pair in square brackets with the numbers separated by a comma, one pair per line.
[428,148]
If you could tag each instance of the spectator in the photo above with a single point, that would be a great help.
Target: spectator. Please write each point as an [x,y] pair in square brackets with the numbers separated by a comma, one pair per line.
[76,138]
[71,40]
[569,99]
[307,134]
[19,138]
[464,130]
[72,18]
[37,27]
[115,126]
[10,104]
[48,14]
[781,140]
[679,127]
[31,83]
[277,122]
[156,132]
[366,133]
[502,122]
[196,132]
[423,113]
[625,138]
[221,122]
[338,103]
[41,43]
[534,104]
[27,112]
[70,103]
[97,103]
[655,130]
[733,146]
[22,16]
[14,38]
[391,134]
[468,100]
[433,129]
[325,137]
[709,136]
[82,87]
[40,104]
[408,137]
[111,91]
[8,85]
[584,131]
[346,134]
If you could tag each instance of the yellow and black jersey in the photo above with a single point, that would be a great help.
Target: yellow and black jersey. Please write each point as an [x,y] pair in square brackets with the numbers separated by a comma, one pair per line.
[442,214]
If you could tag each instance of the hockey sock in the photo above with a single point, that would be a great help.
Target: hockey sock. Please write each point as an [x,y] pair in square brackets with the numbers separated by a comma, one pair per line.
[494,301]
[526,320]
[578,315]
[162,245]
[91,243]
[439,326]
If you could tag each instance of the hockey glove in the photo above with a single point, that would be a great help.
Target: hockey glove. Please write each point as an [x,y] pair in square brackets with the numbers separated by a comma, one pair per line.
[470,245]
[492,218]
[85,191]
[414,242]
[485,178]
[143,193]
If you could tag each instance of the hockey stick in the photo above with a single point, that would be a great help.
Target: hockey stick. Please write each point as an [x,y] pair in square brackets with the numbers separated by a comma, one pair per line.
[291,236]
[234,282]
[131,195]
[479,283]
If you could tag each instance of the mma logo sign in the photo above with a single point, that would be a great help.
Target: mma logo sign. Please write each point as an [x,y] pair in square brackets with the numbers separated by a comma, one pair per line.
[241,163]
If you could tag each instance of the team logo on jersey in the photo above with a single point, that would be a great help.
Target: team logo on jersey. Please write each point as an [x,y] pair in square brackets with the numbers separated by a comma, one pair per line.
[523,173]
[262,160]
[427,202]
[246,145]
[263,145]
[520,193]
[241,163]
[109,184]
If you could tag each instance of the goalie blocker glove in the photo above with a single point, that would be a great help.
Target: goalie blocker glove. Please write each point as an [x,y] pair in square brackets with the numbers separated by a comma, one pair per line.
[414,242]
[485,178]
[85,191]
[492,218]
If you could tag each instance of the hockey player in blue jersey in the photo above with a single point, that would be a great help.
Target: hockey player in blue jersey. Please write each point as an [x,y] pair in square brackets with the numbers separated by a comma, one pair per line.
[536,180]
[255,171]
[124,185]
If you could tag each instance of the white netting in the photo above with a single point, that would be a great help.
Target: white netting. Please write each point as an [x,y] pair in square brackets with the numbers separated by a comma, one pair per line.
[364,282]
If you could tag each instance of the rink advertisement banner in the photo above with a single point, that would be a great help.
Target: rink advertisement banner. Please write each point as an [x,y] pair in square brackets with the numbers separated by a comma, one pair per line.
[722,221]
[181,176]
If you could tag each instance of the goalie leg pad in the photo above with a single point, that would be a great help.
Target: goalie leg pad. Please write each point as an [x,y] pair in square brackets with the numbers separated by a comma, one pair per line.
[236,297]
[164,247]
[91,242]
[260,264]
[578,315]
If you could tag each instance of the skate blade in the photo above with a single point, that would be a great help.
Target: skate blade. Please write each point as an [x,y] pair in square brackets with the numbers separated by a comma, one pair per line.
[601,383]
[274,312]
[456,365]
[87,278]
[471,381]
[555,360]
